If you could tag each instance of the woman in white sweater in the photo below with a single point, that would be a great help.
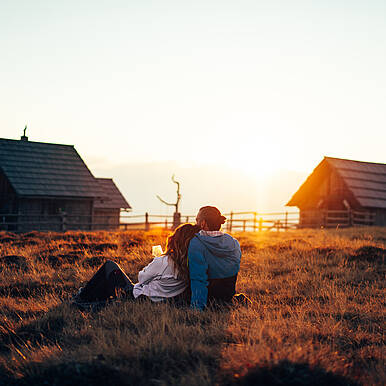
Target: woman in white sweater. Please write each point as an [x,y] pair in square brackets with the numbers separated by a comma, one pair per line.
[166,277]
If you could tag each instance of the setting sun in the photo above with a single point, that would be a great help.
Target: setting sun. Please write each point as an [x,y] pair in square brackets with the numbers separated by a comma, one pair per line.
[257,161]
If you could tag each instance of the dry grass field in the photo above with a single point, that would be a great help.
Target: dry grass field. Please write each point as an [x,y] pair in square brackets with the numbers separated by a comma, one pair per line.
[317,316]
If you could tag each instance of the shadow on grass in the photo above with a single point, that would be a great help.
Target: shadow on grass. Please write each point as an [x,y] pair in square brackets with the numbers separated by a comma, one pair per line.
[290,374]
[152,364]
[35,289]
[47,328]
[72,373]
[150,368]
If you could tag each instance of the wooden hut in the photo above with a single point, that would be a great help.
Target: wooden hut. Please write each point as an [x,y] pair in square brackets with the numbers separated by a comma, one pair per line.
[342,192]
[107,208]
[45,186]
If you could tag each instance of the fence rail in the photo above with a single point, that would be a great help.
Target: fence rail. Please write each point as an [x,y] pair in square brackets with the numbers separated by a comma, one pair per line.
[60,222]
[336,218]
[236,221]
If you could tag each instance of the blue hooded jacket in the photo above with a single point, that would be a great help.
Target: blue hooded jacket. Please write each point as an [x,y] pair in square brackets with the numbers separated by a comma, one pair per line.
[211,257]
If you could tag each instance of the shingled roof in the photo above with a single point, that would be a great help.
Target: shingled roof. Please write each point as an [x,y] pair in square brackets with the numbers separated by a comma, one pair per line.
[46,169]
[113,198]
[365,180]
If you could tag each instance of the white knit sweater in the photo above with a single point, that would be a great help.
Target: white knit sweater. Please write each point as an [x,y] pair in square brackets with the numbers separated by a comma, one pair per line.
[158,280]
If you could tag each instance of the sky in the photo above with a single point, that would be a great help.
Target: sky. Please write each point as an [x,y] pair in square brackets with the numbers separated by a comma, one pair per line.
[240,99]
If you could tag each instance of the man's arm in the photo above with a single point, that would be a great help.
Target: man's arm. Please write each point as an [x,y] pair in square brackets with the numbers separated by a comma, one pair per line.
[198,271]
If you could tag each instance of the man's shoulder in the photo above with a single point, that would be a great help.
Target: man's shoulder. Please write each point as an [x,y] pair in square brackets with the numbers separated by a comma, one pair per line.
[236,241]
[233,238]
[228,236]
[195,243]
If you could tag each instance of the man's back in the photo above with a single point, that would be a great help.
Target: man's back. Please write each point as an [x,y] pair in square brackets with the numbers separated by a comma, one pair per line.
[214,261]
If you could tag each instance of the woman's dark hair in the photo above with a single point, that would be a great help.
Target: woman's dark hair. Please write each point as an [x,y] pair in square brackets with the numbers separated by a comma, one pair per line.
[177,245]
[212,217]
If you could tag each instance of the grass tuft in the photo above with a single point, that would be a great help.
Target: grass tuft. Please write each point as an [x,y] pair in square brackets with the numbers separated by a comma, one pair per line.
[317,314]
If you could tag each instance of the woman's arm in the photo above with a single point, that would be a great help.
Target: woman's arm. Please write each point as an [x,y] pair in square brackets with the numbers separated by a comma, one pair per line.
[151,271]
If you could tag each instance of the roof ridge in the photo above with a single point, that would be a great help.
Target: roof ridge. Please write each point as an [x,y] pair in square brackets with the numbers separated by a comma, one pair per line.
[352,160]
[43,143]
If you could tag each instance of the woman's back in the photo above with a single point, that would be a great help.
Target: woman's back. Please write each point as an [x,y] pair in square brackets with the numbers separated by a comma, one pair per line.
[158,280]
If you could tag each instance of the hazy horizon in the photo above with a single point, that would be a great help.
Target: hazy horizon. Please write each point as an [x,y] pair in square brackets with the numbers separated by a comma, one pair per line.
[222,186]
[246,96]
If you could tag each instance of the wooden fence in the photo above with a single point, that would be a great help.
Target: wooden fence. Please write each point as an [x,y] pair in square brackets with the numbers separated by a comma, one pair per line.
[335,218]
[59,223]
[236,221]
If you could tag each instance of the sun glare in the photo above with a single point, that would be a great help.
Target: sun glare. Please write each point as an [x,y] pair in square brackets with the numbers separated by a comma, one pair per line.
[257,162]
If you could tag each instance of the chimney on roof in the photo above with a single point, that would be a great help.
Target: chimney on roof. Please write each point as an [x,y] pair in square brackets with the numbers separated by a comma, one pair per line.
[24,137]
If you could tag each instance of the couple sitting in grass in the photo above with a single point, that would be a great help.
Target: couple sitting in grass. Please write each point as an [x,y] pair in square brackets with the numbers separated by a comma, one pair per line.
[199,267]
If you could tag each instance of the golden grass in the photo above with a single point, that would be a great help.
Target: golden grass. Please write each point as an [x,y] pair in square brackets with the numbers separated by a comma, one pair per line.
[317,316]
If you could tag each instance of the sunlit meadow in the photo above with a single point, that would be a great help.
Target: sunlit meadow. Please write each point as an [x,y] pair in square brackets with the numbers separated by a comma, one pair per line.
[316,318]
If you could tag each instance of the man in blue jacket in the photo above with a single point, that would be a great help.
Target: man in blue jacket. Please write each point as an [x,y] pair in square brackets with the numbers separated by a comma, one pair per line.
[214,260]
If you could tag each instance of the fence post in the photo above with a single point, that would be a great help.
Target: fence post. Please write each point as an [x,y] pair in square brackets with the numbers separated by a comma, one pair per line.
[247,224]
[64,221]
[176,220]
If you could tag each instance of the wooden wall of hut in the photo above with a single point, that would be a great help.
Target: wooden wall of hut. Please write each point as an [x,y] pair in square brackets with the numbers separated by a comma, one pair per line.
[380,217]
[54,214]
[107,219]
[7,196]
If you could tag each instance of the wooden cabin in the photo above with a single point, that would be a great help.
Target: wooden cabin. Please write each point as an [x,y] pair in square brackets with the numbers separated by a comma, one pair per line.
[45,186]
[342,192]
[107,209]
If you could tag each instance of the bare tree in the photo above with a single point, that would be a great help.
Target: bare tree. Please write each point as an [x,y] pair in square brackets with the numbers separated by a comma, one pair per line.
[177,214]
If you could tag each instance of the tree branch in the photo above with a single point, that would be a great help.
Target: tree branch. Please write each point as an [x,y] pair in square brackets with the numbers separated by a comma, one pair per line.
[164,202]
[178,191]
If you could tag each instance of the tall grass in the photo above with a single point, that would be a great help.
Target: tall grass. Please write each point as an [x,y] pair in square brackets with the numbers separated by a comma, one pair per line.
[317,315]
